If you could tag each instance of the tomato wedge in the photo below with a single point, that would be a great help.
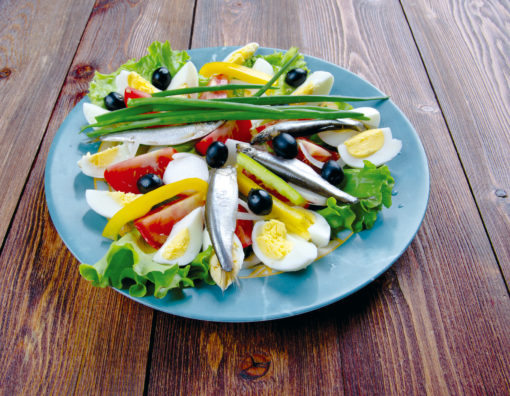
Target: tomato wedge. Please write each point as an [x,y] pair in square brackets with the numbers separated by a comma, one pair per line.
[123,176]
[244,229]
[132,93]
[157,224]
[238,130]
[218,79]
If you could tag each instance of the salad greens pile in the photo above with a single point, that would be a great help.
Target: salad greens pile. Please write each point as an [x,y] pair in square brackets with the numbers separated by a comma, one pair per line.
[373,186]
[159,54]
[129,262]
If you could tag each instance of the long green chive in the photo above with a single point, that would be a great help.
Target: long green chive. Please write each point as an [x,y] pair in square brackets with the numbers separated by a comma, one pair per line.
[289,99]
[192,90]
[185,117]
[276,76]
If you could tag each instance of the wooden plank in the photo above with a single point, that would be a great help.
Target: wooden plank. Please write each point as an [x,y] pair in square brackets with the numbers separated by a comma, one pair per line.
[436,322]
[468,63]
[30,80]
[59,334]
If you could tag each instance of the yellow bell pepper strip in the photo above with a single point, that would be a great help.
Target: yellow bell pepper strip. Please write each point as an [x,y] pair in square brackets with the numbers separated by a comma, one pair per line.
[295,221]
[146,202]
[234,70]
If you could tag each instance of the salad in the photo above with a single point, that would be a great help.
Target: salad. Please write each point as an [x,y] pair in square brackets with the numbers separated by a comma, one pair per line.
[247,162]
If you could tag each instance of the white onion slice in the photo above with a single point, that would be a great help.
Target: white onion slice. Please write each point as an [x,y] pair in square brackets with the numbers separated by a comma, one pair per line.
[309,157]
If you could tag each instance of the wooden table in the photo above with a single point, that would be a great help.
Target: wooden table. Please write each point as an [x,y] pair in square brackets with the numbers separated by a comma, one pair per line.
[437,322]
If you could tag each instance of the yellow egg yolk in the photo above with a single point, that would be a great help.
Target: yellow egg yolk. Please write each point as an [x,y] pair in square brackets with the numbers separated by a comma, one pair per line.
[272,241]
[305,89]
[365,143]
[103,158]
[136,81]
[123,198]
[177,246]
[240,56]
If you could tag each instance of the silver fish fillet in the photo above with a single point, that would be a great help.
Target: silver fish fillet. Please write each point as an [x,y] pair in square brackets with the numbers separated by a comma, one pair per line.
[297,172]
[306,128]
[163,136]
[220,213]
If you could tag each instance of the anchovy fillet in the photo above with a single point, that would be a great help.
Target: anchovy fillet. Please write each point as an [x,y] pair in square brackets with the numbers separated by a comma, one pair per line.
[220,213]
[171,135]
[306,128]
[297,172]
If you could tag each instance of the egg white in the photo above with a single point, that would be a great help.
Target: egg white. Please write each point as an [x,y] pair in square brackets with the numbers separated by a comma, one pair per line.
[121,82]
[373,115]
[91,111]
[387,152]
[317,83]
[263,66]
[103,202]
[187,76]
[302,254]
[193,221]
[320,231]
[185,166]
[123,152]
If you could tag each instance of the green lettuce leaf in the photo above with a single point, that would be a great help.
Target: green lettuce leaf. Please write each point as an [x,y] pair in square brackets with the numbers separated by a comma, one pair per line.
[373,186]
[128,263]
[277,60]
[159,54]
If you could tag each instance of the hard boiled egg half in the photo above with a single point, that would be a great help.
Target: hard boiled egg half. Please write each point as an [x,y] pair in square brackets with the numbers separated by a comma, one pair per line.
[280,250]
[374,145]
[184,242]
[185,166]
[240,55]
[186,77]
[132,79]
[107,203]
[317,83]
[94,165]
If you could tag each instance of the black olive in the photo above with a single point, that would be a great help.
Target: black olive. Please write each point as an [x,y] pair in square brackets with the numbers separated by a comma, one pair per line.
[216,155]
[114,101]
[161,78]
[260,202]
[148,182]
[332,172]
[296,77]
[285,146]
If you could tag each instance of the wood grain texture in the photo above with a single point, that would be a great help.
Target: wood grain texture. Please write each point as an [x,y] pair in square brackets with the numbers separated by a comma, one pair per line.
[468,63]
[30,81]
[58,333]
[436,322]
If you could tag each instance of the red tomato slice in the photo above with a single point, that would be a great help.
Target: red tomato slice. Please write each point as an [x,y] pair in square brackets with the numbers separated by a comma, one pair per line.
[132,93]
[218,79]
[123,176]
[317,152]
[157,224]
[244,229]
[238,130]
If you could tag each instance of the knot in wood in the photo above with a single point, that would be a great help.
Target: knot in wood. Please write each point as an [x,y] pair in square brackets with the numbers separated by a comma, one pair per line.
[82,72]
[254,366]
[5,73]
[500,193]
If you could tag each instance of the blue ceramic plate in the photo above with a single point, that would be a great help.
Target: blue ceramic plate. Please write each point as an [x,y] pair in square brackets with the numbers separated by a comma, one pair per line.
[360,260]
